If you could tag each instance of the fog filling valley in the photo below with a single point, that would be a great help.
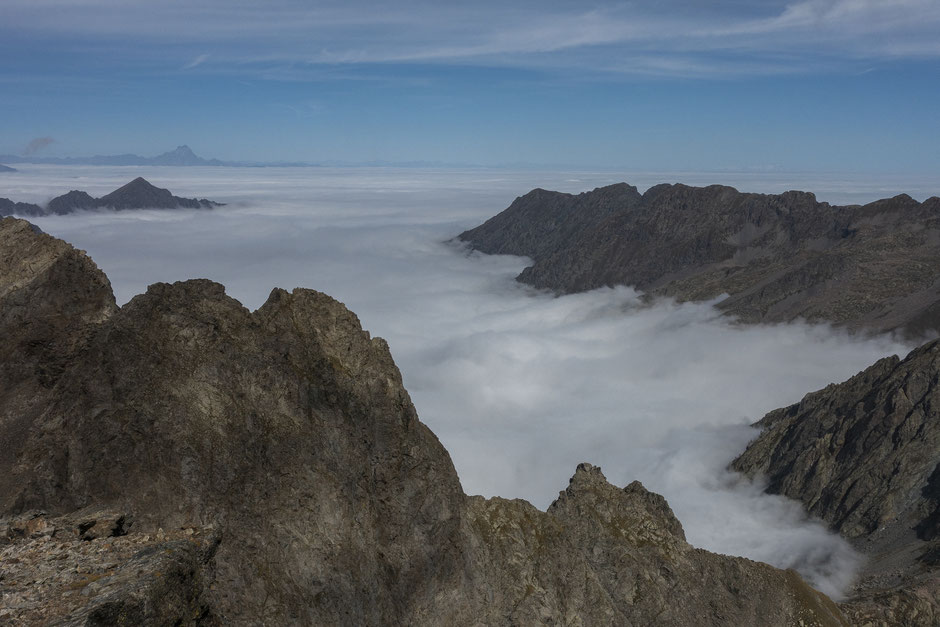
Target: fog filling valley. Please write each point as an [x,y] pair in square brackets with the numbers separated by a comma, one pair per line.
[520,386]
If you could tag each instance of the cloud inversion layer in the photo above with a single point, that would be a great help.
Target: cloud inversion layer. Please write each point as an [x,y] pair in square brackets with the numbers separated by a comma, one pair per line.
[519,386]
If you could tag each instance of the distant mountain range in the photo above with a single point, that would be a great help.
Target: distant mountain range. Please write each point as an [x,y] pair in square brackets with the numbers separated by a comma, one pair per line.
[4,168]
[138,194]
[776,258]
[181,156]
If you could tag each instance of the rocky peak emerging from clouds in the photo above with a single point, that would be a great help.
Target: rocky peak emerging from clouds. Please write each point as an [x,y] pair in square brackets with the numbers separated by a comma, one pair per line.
[864,455]
[779,257]
[138,194]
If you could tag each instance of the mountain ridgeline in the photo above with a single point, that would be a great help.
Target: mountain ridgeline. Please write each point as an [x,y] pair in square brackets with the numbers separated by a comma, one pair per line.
[180,156]
[138,194]
[864,456]
[182,460]
[777,257]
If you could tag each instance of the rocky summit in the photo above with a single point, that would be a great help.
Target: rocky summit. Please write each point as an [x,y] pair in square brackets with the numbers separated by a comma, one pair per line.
[182,460]
[138,194]
[776,258]
[864,456]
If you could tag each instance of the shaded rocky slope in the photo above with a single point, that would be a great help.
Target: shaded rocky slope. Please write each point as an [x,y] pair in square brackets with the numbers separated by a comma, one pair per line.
[138,194]
[864,455]
[276,473]
[779,257]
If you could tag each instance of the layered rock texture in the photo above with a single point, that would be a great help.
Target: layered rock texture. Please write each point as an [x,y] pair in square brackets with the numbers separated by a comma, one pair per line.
[864,456]
[188,461]
[138,194]
[777,257]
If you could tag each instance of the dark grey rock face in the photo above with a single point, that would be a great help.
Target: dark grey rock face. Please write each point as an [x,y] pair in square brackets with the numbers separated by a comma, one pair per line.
[73,201]
[779,257]
[138,194]
[9,208]
[864,455]
[286,433]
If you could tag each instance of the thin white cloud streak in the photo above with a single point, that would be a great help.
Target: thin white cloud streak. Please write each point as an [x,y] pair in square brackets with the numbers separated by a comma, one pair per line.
[612,37]
[518,385]
[196,62]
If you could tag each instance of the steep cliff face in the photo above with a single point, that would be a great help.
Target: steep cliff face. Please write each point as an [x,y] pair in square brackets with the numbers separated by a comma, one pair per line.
[778,257]
[272,462]
[864,455]
[51,298]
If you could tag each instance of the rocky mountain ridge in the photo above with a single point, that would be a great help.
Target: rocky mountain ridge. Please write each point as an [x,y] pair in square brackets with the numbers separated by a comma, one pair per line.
[275,471]
[777,257]
[138,194]
[864,456]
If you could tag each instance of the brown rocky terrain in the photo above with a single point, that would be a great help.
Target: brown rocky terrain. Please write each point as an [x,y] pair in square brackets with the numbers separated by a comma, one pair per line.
[138,194]
[182,460]
[864,456]
[86,569]
[777,257]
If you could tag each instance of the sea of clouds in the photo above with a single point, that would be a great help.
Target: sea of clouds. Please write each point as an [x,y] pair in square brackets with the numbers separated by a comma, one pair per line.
[520,386]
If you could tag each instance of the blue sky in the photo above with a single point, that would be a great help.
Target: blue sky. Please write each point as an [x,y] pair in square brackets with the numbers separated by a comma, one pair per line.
[835,85]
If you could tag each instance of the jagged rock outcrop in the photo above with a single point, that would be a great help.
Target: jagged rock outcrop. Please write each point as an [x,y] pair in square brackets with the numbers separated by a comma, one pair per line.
[864,455]
[138,194]
[283,440]
[779,257]
[603,555]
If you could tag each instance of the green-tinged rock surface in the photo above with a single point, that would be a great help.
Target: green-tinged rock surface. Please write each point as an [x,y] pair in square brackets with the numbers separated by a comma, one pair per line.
[205,464]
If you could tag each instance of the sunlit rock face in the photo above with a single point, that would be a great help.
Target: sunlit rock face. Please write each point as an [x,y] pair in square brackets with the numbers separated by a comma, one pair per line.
[276,464]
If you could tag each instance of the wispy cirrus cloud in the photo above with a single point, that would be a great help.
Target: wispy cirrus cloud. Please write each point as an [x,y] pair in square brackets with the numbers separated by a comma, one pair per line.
[196,62]
[674,37]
